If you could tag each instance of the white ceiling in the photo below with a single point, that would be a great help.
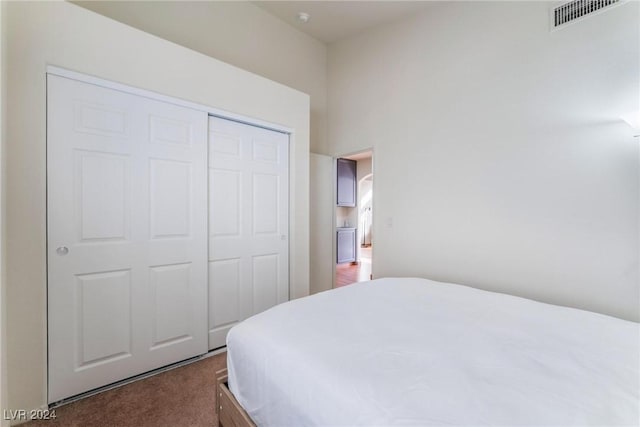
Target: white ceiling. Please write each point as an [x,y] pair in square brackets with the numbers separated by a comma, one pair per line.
[335,20]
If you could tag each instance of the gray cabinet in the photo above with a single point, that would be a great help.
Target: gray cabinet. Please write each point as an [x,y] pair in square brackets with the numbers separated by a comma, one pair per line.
[346,182]
[346,245]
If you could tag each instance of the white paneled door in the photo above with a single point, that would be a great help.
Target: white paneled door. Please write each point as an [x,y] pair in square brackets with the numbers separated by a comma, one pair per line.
[127,235]
[248,223]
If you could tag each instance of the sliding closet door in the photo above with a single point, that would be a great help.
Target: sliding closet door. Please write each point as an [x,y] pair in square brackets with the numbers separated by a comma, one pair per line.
[127,235]
[248,223]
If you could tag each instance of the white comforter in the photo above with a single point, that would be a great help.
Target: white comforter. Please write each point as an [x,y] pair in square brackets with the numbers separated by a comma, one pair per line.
[419,352]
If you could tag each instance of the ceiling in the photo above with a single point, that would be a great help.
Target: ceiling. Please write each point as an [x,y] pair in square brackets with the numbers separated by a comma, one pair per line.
[335,20]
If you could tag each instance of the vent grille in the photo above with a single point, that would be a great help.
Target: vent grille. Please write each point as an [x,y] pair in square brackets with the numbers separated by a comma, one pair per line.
[576,9]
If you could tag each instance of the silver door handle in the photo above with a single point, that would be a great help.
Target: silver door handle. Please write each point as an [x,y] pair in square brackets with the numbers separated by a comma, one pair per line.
[62,250]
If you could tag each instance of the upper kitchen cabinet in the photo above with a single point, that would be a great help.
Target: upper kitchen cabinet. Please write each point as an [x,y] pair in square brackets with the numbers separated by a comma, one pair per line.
[347,182]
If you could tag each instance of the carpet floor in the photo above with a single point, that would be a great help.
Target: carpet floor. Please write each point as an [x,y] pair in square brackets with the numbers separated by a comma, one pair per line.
[183,396]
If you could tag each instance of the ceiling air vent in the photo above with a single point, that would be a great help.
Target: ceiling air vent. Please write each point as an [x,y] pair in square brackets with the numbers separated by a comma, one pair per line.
[573,10]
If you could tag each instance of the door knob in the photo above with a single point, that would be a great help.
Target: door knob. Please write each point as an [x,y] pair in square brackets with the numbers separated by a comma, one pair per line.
[62,250]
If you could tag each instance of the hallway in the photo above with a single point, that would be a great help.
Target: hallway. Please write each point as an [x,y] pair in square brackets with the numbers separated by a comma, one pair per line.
[348,273]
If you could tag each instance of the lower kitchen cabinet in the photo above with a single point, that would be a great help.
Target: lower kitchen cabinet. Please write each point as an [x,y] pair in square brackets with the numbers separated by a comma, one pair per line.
[346,245]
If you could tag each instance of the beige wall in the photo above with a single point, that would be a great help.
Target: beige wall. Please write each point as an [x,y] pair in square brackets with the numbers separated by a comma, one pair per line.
[321,222]
[3,289]
[364,168]
[241,34]
[69,36]
[501,161]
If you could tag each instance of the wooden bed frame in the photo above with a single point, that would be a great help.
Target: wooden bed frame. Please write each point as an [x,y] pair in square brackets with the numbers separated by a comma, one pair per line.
[230,413]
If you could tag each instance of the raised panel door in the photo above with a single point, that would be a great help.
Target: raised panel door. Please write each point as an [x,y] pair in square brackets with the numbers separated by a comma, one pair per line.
[248,223]
[126,224]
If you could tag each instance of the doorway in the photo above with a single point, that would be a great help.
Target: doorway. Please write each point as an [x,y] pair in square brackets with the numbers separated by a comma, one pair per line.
[354,221]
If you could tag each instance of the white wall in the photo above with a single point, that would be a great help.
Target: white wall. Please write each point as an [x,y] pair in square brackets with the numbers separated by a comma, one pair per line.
[321,223]
[501,161]
[238,33]
[363,168]
[346,216]
[71,37]
[365,189]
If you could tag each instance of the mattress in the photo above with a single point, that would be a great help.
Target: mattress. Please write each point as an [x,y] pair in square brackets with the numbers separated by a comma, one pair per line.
[417,352]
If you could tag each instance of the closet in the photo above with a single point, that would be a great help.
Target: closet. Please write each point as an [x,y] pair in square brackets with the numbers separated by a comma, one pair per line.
[248,223]
[165,227]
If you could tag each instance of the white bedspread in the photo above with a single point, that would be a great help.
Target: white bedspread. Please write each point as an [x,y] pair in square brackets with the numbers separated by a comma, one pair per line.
[419,352]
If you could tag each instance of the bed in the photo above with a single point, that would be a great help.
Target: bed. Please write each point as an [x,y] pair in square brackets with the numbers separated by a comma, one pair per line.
[418,352]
